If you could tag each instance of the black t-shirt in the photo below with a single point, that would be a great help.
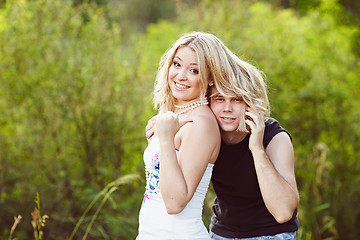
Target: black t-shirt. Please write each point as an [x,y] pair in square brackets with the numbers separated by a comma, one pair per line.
[239,210]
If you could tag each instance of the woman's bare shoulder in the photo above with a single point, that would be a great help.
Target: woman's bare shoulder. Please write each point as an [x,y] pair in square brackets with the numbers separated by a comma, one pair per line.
[204,121]
[203,115]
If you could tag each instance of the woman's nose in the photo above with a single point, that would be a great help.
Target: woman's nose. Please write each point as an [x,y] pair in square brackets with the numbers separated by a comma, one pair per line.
[182,75]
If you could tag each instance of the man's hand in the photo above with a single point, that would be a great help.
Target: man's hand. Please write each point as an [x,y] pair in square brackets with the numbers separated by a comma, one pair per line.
[150,128]
[256,123]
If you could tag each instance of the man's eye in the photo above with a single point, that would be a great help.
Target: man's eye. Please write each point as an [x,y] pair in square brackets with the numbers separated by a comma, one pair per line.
[238,100]
[219,99]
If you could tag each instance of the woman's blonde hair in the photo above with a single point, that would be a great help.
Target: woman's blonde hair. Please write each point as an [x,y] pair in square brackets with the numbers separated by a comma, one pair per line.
[210,56]
[218,64]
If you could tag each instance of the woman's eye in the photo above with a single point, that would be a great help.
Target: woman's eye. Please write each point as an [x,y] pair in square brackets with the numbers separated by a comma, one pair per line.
[195,71]
[238,99]
[176,64]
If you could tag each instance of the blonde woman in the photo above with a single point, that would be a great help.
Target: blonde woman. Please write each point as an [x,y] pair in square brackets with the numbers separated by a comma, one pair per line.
[181,154]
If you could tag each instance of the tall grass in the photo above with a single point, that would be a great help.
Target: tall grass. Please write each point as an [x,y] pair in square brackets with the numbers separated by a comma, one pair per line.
[38,220]
[105,195]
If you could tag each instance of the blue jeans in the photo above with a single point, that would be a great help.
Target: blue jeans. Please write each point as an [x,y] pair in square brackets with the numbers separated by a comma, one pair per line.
[280,236]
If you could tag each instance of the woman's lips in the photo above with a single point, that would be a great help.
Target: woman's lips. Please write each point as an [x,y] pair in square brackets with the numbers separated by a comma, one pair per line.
[181,86]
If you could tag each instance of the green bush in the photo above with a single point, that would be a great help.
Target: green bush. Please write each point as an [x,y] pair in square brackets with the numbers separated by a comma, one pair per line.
[75,95]
[72,114]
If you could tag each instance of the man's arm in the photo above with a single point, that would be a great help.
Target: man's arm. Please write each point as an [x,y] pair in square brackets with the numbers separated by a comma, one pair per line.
[274,168]
[276,177]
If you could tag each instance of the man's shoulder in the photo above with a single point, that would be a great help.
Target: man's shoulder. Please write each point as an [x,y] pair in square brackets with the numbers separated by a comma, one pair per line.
[272,127]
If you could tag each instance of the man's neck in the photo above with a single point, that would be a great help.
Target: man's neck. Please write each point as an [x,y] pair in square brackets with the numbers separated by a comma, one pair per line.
[233,137]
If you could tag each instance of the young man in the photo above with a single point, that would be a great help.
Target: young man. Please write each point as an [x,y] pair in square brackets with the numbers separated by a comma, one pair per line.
[253,177]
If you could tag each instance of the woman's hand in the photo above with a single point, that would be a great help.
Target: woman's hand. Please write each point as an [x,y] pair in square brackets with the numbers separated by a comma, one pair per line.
[167,123]
[256,123]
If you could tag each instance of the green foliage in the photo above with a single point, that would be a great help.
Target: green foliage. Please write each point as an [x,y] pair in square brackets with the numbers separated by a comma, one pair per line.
[105,194]
[71,117]
[137,14]
[75,95]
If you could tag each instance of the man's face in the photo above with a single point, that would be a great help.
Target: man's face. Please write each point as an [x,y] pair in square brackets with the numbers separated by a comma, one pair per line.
[229,112]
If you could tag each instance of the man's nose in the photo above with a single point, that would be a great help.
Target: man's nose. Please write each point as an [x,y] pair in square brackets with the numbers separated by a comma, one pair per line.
[227,106]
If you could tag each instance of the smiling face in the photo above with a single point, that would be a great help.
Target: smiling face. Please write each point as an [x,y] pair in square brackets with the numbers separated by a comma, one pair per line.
[229,112]
[184,77]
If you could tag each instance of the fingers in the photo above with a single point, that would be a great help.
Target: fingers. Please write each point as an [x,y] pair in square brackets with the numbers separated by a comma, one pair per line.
[150,128]
[165,117]
[150,123]
[254,119]
[149,133]
[257,116]
[256,123]
[168,120]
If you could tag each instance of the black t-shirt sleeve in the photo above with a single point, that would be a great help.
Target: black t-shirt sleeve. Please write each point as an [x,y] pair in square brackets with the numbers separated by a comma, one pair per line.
[272,127]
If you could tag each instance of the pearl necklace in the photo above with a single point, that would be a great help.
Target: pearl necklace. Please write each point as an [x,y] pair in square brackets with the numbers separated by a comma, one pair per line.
[187,109]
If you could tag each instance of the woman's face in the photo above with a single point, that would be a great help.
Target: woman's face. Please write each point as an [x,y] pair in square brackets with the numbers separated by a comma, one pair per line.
[184,77]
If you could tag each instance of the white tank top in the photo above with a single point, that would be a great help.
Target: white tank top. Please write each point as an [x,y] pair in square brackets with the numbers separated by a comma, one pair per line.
[154,222]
